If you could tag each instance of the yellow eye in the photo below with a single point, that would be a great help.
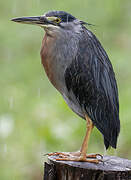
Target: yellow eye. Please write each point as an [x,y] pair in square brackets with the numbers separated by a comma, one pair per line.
[58,20]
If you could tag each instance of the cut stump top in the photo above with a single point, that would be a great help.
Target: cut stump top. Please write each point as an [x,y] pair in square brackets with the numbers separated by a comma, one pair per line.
[110,163]
[112,168]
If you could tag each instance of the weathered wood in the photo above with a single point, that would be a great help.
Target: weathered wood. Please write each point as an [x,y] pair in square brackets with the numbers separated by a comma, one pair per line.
[112,168]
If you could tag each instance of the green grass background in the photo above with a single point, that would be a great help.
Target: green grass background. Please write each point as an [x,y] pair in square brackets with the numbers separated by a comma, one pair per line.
[34,118]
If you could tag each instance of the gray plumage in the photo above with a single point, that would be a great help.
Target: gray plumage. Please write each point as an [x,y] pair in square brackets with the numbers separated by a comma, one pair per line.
[79,68]
[85,77]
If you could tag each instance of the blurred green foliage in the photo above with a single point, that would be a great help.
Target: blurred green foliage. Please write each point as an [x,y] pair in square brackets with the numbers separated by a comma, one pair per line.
[34,118]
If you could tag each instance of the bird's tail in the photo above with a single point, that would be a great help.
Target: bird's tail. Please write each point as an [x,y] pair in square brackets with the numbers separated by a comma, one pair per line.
[112,140]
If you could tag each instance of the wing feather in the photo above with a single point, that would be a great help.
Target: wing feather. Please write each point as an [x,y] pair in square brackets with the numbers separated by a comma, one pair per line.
[91,78]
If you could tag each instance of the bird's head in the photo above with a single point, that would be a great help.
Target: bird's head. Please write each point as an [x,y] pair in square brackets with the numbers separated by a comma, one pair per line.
[53,21]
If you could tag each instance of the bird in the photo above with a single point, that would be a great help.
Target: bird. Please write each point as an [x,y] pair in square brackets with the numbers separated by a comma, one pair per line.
[79,68]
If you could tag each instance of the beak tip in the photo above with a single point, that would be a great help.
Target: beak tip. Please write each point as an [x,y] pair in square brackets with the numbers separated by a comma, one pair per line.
[14,19]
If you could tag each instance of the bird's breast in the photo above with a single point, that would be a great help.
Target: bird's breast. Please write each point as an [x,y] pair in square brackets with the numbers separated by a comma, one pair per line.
[53,66]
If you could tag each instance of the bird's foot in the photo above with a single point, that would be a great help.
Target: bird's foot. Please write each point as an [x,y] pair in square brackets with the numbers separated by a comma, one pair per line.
[77,156]
[80,158]
[64,154]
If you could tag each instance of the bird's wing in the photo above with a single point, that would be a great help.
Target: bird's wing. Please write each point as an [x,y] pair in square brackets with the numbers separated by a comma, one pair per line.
[91,78]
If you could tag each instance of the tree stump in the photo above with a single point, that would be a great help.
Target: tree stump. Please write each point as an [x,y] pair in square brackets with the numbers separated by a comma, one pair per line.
[112,168]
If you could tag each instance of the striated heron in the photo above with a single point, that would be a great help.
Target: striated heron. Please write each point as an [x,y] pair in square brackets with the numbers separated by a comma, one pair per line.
[79,68]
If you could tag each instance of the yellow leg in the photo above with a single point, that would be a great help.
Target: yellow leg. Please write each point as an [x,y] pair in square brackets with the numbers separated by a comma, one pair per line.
[81,155]
[87,136]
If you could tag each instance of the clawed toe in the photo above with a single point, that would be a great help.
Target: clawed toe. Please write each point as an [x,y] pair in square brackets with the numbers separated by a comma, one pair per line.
[96,156]
[77,156]
[60,154]
[79,159]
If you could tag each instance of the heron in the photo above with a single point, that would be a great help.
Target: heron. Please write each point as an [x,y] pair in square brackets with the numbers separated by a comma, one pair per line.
[79,68]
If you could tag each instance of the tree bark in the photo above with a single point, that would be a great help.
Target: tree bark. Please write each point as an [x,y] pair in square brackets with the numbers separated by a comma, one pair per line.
[112,168]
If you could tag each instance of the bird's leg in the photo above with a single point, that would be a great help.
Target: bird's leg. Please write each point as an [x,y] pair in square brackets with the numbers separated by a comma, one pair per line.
[81,156]
[82,152]
[84,146]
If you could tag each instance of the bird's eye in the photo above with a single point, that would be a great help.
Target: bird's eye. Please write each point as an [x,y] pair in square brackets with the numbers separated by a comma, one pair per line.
[58,20]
